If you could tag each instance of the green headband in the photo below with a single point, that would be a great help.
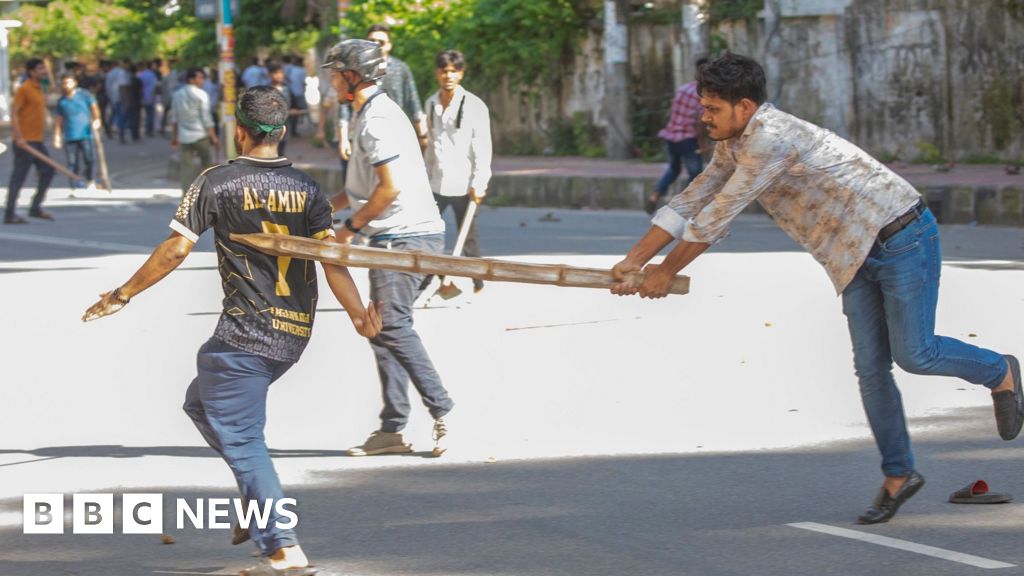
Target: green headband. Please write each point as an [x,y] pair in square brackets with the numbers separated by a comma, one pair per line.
[268,128]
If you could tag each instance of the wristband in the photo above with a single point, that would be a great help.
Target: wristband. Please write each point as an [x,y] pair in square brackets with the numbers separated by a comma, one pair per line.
[117,296]
[351,227]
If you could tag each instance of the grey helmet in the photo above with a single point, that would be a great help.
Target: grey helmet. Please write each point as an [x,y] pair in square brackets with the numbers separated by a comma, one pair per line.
[360,56]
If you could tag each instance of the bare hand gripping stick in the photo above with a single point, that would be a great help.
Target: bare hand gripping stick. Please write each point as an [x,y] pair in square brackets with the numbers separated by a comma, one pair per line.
[462,266]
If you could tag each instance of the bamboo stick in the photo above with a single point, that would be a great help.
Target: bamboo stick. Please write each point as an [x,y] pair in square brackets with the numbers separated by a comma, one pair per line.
[52,163]
[422,263]
[102,155]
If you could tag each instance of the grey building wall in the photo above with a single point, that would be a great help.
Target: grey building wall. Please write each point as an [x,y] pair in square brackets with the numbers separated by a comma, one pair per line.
[892,75]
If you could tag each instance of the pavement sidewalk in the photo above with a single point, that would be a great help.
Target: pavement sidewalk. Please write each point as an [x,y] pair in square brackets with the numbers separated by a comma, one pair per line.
[985,194]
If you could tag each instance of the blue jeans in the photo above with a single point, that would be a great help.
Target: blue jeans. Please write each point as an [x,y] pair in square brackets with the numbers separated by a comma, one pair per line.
[80,153]
[399,351]
[684,151]
[890,308]
[227,401]
[23,161]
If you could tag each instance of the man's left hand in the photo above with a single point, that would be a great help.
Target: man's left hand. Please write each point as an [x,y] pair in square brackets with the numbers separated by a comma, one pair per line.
[477,198]
[107,305]
[657,281]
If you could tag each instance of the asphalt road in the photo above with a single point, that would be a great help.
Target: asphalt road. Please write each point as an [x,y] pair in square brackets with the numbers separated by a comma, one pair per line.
[594,435]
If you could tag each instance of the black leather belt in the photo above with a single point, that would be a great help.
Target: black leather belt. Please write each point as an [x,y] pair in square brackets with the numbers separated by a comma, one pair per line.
[901,222]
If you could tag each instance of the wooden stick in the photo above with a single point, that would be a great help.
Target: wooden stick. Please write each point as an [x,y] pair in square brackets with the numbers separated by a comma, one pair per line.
[53,163]
[102,156]
[422,263]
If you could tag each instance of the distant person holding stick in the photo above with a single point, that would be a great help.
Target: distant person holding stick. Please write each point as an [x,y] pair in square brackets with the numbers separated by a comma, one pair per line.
[76,116]
[28,119]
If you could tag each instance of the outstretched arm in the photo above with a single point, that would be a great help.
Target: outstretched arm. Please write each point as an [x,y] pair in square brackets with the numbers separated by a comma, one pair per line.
[164,259]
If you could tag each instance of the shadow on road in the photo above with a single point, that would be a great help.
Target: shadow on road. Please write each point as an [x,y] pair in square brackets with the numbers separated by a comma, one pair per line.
[672,514]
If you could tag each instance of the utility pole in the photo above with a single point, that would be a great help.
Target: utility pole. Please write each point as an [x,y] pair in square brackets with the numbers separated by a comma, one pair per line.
[619,133]
[226,69]
[5,70]
[342,11]
[694,38]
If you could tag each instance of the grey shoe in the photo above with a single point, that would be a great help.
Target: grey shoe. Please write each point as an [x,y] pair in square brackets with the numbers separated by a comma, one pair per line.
[381,442]
[440,431]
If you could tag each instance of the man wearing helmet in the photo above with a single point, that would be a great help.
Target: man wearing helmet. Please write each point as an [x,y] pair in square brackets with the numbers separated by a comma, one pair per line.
[389,192]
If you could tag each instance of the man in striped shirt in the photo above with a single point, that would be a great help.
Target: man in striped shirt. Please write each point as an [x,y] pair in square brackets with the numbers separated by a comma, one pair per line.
[684,138]
[866,225]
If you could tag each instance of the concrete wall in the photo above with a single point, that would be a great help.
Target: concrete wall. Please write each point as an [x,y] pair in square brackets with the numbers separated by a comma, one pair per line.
[947,72]
[891,75]
[525,117]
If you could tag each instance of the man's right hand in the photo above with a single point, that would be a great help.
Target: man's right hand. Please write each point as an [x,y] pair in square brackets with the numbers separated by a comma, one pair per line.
[371,323]
[108,304]
[21,142]
[174,141]
[345,148]
[57,142]
[619,272]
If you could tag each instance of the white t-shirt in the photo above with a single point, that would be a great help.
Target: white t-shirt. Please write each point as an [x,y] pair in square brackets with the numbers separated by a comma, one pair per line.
[382,134]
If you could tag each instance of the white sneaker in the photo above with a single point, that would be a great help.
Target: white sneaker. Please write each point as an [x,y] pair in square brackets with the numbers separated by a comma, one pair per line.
[289,561]
[91,187]
[381,442]
[440,431]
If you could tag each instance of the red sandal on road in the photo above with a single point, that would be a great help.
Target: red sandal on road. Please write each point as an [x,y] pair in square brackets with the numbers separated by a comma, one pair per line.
[977,493]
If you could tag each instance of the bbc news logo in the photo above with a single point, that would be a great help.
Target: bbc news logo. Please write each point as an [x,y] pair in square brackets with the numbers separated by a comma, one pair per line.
[144,513]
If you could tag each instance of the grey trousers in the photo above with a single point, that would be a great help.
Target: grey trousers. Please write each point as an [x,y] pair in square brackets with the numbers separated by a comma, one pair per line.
[400,354]
[187,169]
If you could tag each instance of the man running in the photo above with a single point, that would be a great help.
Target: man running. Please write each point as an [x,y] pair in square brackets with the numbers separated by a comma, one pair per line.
[269,305]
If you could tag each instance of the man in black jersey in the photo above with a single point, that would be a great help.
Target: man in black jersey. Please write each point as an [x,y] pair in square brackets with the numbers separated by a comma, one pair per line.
[269,304]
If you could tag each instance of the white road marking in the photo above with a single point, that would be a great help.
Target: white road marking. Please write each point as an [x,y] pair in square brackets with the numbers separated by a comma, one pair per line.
[74,243]
[941,553]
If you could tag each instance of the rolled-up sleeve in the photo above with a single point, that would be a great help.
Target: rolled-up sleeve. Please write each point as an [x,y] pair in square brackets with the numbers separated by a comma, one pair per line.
[759,165]
[674,216]
[704,210]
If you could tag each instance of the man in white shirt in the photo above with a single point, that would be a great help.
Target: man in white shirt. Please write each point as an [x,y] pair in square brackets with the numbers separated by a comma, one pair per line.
[192,127]
[459,150]
[389,192]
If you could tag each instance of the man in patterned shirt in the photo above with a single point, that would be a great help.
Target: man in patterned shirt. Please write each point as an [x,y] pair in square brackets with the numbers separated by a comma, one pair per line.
[868,227]
[269,305]
[684,137]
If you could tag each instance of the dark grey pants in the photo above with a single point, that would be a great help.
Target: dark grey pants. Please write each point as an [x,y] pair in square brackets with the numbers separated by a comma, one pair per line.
[459,205]
[399,351]
[23,161]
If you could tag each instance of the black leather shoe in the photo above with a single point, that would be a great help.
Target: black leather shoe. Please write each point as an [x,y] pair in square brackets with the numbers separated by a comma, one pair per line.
[885,506]
[1009,405]
[239,535]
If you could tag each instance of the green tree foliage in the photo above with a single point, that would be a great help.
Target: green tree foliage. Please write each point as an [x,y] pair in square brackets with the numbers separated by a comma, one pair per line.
[720,10]
[50,31]
[521,40]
